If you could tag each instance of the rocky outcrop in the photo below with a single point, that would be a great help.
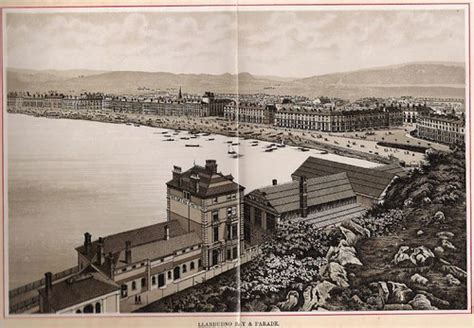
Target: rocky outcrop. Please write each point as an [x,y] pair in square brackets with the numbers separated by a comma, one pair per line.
[337,274]
[291,301]
[418,279]
[421,302]
[419,256]
[343,254]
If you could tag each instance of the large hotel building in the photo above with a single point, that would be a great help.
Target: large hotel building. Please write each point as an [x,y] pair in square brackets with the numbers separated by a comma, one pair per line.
[446,129]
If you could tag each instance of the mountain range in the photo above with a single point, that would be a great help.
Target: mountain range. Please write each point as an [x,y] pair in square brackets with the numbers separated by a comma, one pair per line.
[413,79]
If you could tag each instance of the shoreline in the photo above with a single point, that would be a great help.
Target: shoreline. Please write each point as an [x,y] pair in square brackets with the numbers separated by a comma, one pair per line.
[213,125]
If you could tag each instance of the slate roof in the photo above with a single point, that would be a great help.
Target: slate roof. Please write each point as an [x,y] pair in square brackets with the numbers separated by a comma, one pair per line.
[286,197]
[83,286]
[210,184]
[367,181]
[146,243]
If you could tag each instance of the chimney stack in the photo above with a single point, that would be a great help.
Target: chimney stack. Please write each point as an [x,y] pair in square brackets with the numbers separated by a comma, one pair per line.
[110,262]
[100,251]
[177,173]
[167,232]
[87,242]
[128,251]
[303,197]
[195,182]
[211,165]
[48,278]
[274,182]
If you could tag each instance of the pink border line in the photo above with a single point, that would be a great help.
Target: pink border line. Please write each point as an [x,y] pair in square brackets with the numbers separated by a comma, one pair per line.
[241,314]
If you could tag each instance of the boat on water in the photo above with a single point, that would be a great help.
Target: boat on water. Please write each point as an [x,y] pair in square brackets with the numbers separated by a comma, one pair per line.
[168,139]
[237,155]
[229,142]
[281,145]
[193,137]
[231,150]
[235,143]
[211,139]
[137,125]
[206,134]
[268,150]
[271,146]
[128,123]
[323,152]
[167,135]
[164,132]
[303,149]
[254,145]
[184,138]
[192,145]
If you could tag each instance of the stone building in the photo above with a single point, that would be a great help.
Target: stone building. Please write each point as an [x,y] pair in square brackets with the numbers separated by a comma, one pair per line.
[248,112]
[446,129]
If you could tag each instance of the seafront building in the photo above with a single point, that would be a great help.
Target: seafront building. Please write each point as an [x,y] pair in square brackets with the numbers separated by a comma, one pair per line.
[249,112]
[446,129]
[202,237]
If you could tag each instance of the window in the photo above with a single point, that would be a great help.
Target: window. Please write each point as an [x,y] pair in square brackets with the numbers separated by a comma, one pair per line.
[161,280]
[169,274]
[143,282]
[124,290]
[191,266]
[215,200]
[186,195]
[134,266]
[185,268]
[215,216]
[124,269]
[229,255]
[153,280]
[134,285]
[199,263]
[97,307]
[215,232]
[234,252]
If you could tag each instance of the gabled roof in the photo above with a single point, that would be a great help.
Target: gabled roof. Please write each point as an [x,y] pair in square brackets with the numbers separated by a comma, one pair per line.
[210,183]
[367,181]
[286,197]
[146,243]
[85,285]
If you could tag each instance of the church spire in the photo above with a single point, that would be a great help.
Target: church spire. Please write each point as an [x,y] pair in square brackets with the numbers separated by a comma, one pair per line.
[180,96]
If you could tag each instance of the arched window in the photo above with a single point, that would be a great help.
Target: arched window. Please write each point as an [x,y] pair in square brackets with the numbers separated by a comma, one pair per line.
[153,280]
[143,282]
[176,273]
[134,285]
[89,308]
[185,268]
[191,265]
[78,311]
[97,307]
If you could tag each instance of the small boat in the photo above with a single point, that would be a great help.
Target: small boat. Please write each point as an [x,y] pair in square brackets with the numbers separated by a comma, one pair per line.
[176,133]
[167,135]
[137,125]
[271,146]
[164,132]
[206,134]
[168,139]
[192,145]
[229,142]
[193,137]
[304,149]
[211,139]
[254,145]
[282,145]
[237,155]
[268,150]
[235,143]
[324,152]
[184,138]
[231,150]
[128,123]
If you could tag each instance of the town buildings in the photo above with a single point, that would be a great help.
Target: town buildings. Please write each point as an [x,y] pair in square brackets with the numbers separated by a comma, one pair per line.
[446,129]
[248,112]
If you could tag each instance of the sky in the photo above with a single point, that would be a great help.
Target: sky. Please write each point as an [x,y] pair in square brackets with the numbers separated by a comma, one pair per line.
[277,43]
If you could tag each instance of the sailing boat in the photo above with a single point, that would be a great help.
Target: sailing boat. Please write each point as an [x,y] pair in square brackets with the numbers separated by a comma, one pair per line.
[231,150]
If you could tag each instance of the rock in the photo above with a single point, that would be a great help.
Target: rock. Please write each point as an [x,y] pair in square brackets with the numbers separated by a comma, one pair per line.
[447,244]
[291,301]
[399,293]
[418,279]
[337,274]
[420,233]
[402,255]
[421,302]
[383,290]
[351,237]
[397,307]
[439,217]
[438,302]
[352,275]
[323,290]
[426,200]
[439,250]
[343,254]
[451,280]
[376,301]
[351,225]
[422,255]
[274,308]
[357,300]
[408,202]
[310,297]
[455,271]
[445,235]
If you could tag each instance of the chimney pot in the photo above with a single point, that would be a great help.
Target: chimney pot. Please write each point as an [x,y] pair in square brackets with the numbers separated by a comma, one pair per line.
[48,278]
[128,252]
[87,242]
[211,165]
[100,251]
[274,182]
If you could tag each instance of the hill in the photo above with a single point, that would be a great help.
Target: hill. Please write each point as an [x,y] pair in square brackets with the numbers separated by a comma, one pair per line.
[416,79]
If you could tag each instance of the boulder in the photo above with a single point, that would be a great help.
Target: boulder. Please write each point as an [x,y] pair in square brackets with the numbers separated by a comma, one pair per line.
[420,233]
[351,238]
[418,279]
[402,255]
[397,307]
[438,250]
[438,302]
[408,202]
[422,255]
[439,218]
[445,235]
[451,280]
[376,301]
[274,308]
[310,297]
[356,228]
[337,274]
[399,293]
[343,254]
[290,302]
[323,290]
[447,244]
[426,200]
[421,302]
[454,270]
[357,300]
